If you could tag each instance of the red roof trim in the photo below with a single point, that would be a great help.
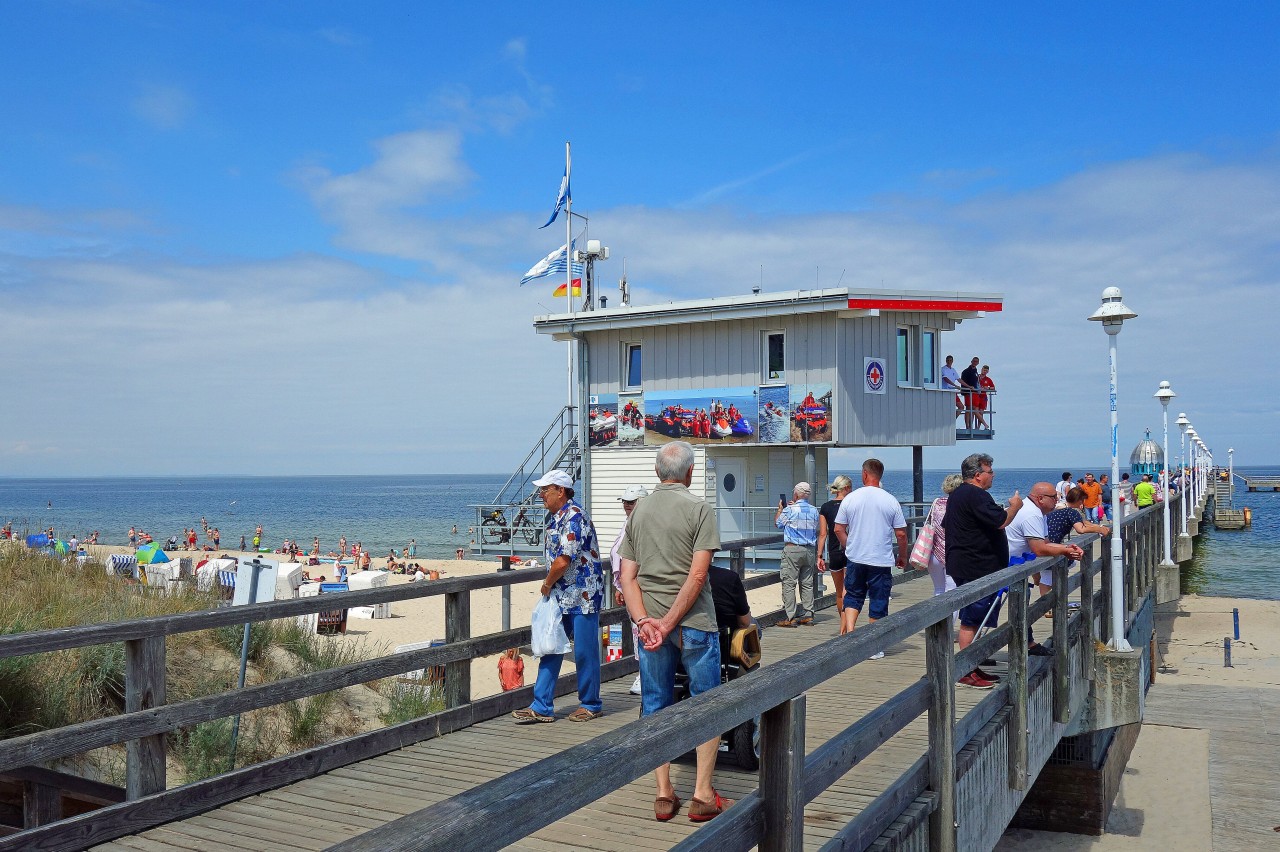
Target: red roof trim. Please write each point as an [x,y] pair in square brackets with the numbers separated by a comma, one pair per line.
[921,305]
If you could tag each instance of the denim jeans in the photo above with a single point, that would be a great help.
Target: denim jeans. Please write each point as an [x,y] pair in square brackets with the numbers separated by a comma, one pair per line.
[699,650]
[585,631]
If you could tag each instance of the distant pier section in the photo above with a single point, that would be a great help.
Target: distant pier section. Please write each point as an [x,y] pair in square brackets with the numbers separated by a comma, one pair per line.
[1270,482]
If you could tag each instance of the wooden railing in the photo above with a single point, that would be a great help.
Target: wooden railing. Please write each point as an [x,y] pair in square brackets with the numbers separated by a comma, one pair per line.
[502,811]
[148,718]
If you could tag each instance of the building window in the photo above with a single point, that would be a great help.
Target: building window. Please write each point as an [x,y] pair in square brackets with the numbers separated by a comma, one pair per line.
[775,360]
[929,358]
[631,369]
[906,371]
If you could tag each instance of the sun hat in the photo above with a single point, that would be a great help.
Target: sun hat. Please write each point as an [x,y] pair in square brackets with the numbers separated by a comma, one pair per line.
[744,646]
[634,492]
[555,477]
[840,483]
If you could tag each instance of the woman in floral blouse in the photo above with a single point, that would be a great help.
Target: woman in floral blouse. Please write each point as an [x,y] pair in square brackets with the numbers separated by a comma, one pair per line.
[575,581]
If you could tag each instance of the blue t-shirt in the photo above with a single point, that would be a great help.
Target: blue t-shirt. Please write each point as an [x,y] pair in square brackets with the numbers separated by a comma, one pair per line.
[1058,523]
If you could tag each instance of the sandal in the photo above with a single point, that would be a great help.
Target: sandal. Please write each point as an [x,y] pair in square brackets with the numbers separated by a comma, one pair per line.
[582,714]
[529,716]
[700,811]
[665,807]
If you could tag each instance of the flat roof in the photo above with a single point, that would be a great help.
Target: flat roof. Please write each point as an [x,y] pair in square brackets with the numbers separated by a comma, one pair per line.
[849,303]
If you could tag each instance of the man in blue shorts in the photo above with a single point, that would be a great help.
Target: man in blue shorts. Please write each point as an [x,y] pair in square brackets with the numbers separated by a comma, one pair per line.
[977,546]
[671,537]
[868,524]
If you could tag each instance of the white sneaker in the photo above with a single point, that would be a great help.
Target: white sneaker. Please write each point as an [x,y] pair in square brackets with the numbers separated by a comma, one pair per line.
[635,687]
[878,655]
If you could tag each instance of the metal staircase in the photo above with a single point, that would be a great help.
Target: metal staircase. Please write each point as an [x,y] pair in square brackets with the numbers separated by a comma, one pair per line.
[512,523]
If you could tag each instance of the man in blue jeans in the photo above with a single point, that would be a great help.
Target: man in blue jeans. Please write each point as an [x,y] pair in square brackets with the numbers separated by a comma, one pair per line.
[671,537]
[575,582]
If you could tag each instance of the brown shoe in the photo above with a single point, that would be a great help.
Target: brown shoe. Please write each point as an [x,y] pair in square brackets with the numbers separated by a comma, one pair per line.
[665,807]
[804,621]
[700,811]
[784,623]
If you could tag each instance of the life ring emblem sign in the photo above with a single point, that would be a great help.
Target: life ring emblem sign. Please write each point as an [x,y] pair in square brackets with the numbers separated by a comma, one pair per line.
[874,372]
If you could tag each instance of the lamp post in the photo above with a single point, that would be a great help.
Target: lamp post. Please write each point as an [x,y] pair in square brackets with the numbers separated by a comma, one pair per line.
[1183,424]
[1164,395]
[1231,467]
[1192,458]
[1112,315]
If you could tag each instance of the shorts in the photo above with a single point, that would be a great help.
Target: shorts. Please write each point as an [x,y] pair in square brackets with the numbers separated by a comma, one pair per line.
[700,653]
[862,580]
[973,614]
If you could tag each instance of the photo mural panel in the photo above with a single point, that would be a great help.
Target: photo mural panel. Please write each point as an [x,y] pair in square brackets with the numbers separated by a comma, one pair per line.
[630,420]
[774,414]
[604,420]
[706,416]
[810,413]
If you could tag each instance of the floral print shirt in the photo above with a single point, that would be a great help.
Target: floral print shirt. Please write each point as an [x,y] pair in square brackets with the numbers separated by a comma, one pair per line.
[580,590]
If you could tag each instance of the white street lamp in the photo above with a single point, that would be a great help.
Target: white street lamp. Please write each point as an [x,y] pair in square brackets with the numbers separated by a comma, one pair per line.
[1164,395]
[1231,466]
[1193,459]
[1185,489]
[1112,315]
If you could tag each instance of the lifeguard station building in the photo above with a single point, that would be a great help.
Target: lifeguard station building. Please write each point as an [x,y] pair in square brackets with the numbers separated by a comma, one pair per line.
[763,386]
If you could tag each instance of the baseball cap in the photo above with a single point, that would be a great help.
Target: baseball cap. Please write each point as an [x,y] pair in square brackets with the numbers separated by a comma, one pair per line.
[634,492]
[554,477]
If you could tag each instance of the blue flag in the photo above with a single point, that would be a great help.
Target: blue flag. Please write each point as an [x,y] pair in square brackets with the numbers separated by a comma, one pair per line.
[561,198]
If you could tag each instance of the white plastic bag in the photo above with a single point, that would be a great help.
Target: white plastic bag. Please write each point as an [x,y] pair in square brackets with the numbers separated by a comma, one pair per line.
[548,629]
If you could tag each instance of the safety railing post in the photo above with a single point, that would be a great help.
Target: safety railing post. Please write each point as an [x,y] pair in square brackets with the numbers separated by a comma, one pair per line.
[144,688]
[1061,647]
[1087,649]
[782,776]
[457,627]
[940,669]
[1018,754]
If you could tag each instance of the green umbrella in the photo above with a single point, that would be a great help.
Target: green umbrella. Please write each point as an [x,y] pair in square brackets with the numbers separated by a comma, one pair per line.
[60,546]
[151,554]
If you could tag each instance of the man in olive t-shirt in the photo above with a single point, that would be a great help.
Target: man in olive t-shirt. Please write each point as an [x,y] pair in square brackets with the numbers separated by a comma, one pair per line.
[671,537]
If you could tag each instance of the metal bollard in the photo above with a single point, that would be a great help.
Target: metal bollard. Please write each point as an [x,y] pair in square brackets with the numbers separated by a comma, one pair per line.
[1226,653]
[1235,620]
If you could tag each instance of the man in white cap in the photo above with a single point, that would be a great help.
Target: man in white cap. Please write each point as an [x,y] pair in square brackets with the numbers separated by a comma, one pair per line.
[629,498]
[576,583]
[799,524]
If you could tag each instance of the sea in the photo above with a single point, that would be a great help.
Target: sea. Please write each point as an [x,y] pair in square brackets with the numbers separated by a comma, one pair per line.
[384,512]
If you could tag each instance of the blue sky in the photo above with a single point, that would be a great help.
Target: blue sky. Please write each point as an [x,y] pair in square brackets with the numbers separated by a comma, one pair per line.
[285,238]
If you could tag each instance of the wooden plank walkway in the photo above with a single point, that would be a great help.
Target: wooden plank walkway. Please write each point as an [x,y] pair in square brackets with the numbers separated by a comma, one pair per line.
[318,812]
[1244,753]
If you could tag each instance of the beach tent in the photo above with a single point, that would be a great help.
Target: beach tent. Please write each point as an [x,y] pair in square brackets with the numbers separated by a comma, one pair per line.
[59,546]
[38,540]
[150,554]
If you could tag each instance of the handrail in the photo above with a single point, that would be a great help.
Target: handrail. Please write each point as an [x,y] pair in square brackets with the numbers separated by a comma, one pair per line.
[493,814]
[562,421]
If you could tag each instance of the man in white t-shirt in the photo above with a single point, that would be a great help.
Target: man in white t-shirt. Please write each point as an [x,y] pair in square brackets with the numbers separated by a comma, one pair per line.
[868,525]
[1027,534]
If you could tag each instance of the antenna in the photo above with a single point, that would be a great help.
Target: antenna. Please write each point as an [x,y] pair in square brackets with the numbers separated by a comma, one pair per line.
[756,289]
[841,278]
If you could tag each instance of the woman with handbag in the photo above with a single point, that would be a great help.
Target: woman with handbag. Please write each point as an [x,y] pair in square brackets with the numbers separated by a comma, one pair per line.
[930,550]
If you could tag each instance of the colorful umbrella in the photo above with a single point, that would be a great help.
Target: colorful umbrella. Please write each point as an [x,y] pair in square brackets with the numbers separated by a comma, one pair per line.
[151,554]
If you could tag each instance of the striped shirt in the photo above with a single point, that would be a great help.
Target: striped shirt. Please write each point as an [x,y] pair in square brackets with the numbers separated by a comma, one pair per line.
[799,524]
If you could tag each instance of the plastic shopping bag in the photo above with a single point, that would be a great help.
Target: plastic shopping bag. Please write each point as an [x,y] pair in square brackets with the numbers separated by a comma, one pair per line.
[548,629]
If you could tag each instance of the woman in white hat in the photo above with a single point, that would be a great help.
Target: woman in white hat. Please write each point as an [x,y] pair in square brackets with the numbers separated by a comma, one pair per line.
[629,499]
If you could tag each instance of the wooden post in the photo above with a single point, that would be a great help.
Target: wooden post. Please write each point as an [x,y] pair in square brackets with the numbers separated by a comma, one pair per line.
[738,562]
[1087,651]
[628,638]
[782,776]
[41,804]
[1018,755]
[457,626]
[1061,647]
[144,688]
[940,669]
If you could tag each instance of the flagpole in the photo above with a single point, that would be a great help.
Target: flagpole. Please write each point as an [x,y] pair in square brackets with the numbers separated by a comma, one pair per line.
[568,267]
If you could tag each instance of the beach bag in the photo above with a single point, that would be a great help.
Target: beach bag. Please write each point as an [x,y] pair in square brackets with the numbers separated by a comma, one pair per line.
[923,548]
[548,629]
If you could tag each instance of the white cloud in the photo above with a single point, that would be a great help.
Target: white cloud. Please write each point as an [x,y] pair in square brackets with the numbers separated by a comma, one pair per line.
[165,107]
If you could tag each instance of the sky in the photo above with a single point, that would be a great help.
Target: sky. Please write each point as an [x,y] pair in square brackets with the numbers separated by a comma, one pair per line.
[286,238]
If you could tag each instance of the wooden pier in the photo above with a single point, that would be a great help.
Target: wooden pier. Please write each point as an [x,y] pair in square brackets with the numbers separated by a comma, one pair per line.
[1261,483]
[854,752]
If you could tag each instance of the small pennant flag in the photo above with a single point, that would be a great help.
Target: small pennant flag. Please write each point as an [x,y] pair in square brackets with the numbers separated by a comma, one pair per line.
[561,197]
[550,265]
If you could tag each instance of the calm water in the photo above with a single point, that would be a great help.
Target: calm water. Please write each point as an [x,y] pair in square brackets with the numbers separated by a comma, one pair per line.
[386,511]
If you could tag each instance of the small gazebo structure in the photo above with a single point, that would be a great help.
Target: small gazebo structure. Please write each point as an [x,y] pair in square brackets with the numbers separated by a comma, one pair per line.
[1147,457]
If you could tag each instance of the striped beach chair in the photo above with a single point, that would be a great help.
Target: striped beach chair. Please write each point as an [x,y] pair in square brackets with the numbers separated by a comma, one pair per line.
[123,565]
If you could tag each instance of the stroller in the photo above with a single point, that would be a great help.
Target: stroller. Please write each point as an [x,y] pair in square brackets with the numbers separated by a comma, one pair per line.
[742,743]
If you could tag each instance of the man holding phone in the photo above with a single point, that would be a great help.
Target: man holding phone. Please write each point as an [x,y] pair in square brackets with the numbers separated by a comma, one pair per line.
[799,524]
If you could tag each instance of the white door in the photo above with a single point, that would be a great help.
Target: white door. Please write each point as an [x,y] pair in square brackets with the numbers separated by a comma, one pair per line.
[731,491]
